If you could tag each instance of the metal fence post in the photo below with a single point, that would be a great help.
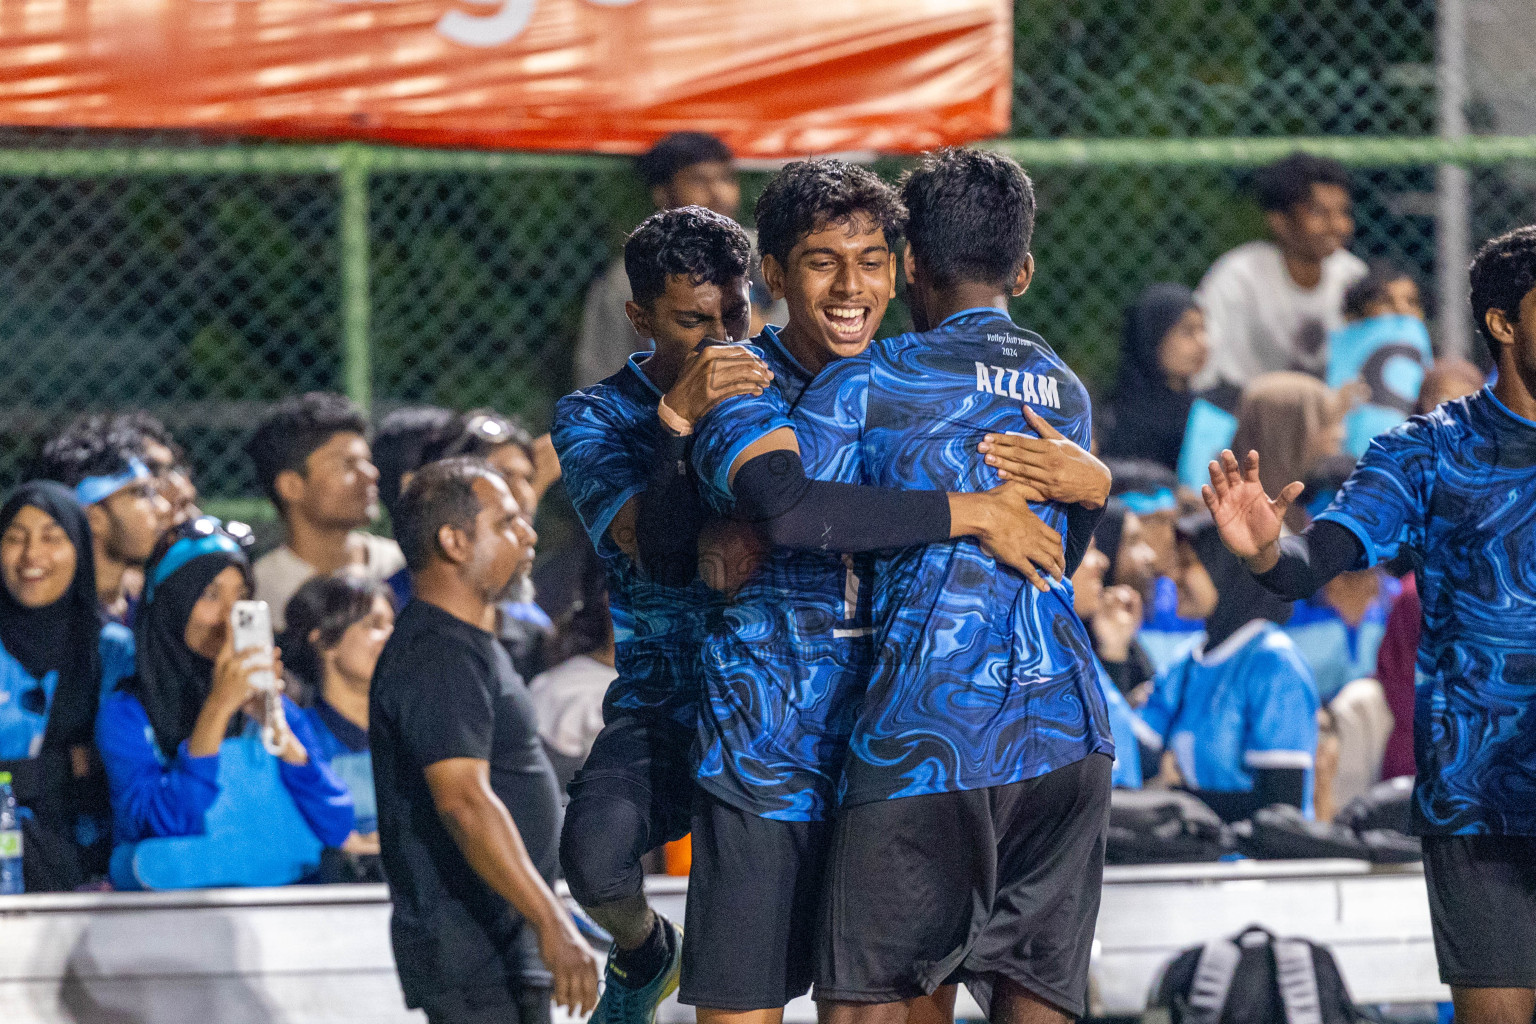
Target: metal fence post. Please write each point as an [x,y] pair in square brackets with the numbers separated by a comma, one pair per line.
[357,354]
[1453,216]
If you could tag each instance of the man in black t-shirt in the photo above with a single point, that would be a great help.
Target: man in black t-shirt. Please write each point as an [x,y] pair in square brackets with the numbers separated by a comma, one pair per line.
[469,812]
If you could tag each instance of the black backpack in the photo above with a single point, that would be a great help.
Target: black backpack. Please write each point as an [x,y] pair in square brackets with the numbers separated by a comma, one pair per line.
[1255,978]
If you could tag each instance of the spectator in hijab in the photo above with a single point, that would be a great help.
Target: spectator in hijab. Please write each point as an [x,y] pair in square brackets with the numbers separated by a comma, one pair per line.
[337,625]
[569,696]
[197,799]
[122,502]
[1447,379]
[1236,715]
[1112,609]
[1162,347]
[1294,422]
[1339,629]
[55,658]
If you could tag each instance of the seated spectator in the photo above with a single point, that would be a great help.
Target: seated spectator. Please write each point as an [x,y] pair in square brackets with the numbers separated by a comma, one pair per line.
[1354,729]
[1294,422]
[1162,347]
[569,696]
[1112,610]
[55,659]
[1149,491]
[197,800]
[1236,716]
[313,461]
[165,459]
[1382,350]
[400,448]
[523,627]
[337,625]
[1447,379]
[1396,667]
[1269,305]
[122,502]
[683,169]
[1130,736]
[1339,629]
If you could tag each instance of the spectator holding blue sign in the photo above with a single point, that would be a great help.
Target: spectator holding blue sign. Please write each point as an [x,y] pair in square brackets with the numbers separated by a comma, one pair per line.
[1384,348]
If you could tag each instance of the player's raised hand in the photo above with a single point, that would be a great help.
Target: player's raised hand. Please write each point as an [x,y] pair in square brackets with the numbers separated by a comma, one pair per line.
[713,373]
[1052,466]
[1010,532]
[1247,519]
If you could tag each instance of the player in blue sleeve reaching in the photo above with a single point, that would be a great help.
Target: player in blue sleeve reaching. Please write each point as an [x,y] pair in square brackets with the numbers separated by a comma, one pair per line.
[688,269]
[786,666]
[1454,490]
[979,766]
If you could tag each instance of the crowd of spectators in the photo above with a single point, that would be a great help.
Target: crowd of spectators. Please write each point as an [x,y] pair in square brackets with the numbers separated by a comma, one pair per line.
[146,755]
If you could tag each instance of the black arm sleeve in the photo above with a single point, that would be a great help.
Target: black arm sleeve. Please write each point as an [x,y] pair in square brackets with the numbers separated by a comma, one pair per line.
[773,494]
[1080,524]
[1270,786]
[671,514]
[1307,562]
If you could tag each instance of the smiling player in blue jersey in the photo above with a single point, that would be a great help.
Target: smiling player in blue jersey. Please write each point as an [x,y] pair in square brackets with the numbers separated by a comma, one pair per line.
[1454,490]
[688,269]
[785,669]
[979,767]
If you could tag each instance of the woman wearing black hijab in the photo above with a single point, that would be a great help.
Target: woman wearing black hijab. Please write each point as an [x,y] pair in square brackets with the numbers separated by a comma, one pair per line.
[1238,712]
[1162,346]
[51,672]
[196,798]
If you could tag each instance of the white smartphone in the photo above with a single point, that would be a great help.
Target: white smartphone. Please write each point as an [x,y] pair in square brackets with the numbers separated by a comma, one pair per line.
[251,622]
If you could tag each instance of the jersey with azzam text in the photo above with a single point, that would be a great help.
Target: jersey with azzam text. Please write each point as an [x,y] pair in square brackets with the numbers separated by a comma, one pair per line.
[1246,705]
[609,440]
[785,672]
[979,679]
[1456,490]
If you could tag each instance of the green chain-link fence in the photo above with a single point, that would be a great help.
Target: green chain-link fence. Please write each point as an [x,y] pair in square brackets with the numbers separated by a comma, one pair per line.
[203,280]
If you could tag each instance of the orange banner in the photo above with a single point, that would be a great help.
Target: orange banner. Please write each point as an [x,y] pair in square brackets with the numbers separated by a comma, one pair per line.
[773,78]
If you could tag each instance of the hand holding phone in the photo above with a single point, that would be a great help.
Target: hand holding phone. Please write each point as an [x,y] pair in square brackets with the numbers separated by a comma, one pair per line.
[251,633]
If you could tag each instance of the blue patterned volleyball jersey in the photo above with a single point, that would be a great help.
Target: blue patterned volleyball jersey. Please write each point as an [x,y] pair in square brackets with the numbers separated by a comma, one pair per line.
[786,667]
[1456,490]
[979,679]
[1246,705]
[609,440]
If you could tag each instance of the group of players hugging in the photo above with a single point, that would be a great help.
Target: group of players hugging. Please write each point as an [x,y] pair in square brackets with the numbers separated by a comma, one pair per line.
[848,661]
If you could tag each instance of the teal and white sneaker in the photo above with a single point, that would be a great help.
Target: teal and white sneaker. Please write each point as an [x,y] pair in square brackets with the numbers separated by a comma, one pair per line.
[620,1004]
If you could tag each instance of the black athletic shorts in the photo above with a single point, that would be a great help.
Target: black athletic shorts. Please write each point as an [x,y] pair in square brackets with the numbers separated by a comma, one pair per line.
[971,887]
[633,793]
[753,896]
[1482,906]
[490,1005]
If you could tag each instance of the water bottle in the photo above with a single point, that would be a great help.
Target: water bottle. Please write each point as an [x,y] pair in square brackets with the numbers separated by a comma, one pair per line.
[10,840]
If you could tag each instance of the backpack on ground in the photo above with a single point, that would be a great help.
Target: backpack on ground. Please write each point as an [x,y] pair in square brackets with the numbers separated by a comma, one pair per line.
[1254,978]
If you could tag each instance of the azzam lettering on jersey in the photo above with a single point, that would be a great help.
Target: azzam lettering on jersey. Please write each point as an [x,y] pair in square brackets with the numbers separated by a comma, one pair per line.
[1035,388]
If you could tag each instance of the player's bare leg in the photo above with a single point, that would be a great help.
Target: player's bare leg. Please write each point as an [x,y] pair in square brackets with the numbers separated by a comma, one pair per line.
[1012,1003]
[708,1016]
[1494,1005]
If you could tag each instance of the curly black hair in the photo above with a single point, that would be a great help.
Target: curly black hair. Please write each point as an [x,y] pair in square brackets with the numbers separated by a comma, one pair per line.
[678,152]
[1503,273]
[294,430]
[707,247]
[146,426]
[971,216]
[808,195]
[88,446]
[1285,183]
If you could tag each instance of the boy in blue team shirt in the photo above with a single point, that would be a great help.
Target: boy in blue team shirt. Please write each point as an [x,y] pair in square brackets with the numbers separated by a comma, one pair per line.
[979,764]
[1454,490]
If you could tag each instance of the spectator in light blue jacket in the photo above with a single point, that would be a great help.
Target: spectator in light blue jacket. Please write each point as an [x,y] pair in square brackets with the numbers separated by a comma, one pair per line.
[55,658]
[197,799]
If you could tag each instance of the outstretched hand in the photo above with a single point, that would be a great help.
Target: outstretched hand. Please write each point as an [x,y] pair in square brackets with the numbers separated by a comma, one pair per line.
[1248,519]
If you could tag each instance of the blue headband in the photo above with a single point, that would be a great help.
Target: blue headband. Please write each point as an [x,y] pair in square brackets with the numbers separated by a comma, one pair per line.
[1144,504]
[186,549]
[99,488]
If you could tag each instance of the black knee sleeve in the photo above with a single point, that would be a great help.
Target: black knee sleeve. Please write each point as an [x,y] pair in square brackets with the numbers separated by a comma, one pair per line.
[608,829]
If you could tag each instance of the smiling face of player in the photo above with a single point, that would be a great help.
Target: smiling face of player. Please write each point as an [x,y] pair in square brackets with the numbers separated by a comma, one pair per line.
[837,282]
